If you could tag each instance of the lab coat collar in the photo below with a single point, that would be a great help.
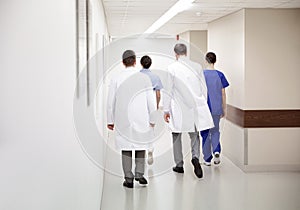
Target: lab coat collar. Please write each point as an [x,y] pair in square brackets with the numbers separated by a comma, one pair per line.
[183,58]
[131,68]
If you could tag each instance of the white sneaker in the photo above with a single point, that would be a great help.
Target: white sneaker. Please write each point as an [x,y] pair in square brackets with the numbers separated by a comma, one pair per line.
[207,163]
[150,157]
[217,158]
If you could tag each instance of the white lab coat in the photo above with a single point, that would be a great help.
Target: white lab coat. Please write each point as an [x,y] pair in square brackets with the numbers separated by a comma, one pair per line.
[130,108]
[186,100]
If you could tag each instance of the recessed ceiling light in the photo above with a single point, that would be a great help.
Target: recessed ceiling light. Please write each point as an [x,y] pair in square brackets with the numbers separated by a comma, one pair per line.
[198,14]
[180,6]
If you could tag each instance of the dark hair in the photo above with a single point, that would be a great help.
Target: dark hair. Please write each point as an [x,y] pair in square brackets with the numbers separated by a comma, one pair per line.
[180,49]
[129,58]
[211,57]
[146,62]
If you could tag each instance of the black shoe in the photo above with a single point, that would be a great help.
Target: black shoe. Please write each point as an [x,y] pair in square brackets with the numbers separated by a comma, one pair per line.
[142,180]
[178,169]
[197,168]
[128,184]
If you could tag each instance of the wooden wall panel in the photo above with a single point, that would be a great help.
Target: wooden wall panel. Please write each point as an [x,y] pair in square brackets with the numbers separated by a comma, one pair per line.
[263,118]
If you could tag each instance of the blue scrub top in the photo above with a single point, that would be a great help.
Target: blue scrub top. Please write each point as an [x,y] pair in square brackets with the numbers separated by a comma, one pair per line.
[215,82]
[156,82]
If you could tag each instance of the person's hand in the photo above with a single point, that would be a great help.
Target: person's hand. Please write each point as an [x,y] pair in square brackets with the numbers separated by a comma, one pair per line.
[111,126]
[167,117]
[152,125]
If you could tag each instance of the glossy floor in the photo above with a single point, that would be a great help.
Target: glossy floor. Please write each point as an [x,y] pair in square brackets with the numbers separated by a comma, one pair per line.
[223,187]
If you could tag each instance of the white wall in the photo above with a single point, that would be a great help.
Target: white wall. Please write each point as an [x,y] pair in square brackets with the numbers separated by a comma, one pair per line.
[197,44]
[185,36]
[99,26]
[233,142]
[272,57]
[226,39]
[258,50]
[274,146]
[272,60]
[198,40]
[42,165]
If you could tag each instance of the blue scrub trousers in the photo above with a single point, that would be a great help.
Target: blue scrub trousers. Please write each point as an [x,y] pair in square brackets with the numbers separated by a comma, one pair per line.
[211,140]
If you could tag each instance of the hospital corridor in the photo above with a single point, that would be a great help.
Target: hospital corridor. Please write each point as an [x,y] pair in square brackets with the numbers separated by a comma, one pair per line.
[149,105]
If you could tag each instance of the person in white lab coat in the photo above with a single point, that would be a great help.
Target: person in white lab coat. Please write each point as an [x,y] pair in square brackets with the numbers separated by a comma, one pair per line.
[129,112]
[185,106]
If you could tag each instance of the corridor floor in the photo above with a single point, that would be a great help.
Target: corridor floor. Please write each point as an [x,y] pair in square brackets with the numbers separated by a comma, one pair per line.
[223,187]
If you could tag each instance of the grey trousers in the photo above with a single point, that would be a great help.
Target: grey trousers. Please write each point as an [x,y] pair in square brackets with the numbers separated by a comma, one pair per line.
[177,147]
[139,163]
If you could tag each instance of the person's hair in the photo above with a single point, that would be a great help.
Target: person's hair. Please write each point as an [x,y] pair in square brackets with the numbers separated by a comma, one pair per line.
[129,58]
[211,57]
[180,49]
[146,62]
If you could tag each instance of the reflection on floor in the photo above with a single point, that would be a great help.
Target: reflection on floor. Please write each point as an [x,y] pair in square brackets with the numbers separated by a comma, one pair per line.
[223,187]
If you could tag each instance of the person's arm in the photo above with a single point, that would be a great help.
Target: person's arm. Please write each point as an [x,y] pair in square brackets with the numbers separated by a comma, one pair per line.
[157,92]
[111,99]
[157,87]
[223,102]
[167,97]
[224,84]
[150,102]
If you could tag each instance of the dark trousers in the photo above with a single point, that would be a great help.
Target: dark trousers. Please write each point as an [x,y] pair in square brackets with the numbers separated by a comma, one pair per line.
[139,163]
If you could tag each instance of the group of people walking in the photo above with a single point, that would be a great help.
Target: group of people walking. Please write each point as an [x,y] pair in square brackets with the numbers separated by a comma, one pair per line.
[194,100]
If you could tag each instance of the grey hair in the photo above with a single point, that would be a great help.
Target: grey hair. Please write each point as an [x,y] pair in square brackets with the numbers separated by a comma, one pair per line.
[180,49]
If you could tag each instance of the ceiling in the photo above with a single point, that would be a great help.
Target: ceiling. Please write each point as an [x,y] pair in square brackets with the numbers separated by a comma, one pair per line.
[127,17]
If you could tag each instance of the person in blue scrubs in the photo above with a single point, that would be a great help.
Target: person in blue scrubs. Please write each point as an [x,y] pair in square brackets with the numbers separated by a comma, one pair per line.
[157,86]
[216,83]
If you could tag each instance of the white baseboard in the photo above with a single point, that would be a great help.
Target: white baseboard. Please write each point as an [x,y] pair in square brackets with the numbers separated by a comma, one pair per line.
[264,168]
[271,168]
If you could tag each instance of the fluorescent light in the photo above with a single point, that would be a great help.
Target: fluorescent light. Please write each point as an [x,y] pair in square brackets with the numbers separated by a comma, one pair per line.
[180,6]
